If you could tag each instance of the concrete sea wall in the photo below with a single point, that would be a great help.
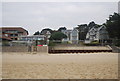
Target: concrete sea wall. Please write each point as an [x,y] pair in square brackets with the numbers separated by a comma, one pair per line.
[24,49]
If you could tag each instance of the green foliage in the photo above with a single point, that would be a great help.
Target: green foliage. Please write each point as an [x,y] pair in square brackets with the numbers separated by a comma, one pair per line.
[46,29]
[62,28]
[5,43]
[83,29]
[57,36]
[113,25]
[37,33]
[116,42]
[65,42]
[95,42]
[51,43]
[91,24]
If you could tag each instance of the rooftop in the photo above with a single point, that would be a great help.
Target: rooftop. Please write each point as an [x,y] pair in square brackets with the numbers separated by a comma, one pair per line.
[13,28]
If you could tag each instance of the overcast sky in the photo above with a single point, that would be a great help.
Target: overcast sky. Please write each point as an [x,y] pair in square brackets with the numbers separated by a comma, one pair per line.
[34,16]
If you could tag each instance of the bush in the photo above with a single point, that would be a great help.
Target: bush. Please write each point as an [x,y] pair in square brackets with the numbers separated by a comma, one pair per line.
[5,43]
[93,43]
[51,43]
[57,36]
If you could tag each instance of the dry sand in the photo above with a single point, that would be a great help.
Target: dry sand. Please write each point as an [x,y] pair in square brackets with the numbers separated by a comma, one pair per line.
[82,48]
[0,65]
[60,66]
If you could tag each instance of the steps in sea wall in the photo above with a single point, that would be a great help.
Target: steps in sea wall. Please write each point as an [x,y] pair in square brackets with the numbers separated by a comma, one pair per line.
[79,49]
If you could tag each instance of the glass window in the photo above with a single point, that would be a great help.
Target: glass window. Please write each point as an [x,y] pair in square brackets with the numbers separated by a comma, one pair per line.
[11,31]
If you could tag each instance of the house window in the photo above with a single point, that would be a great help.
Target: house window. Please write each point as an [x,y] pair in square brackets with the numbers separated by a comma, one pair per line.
[16,34]
[11,31]
[15,38]
[74,38]
[11,35]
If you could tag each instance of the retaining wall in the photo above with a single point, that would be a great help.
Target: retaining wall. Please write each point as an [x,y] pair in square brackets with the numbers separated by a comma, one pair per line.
[42,49]
[23,49]
[14,48]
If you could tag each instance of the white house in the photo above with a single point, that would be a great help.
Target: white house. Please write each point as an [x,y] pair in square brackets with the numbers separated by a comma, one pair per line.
[72,36]
[97,34]
[68,34]
[44,37]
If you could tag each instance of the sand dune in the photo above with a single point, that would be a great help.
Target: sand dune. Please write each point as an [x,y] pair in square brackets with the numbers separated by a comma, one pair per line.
[70,66]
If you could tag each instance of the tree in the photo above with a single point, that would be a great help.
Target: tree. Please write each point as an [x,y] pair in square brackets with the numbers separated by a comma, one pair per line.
[113,26]
[91,24]
[45,30]
[62,28]
[82,31]
[37,33]
[57,36]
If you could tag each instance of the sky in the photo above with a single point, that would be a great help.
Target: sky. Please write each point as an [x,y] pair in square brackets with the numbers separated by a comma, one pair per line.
[35,16]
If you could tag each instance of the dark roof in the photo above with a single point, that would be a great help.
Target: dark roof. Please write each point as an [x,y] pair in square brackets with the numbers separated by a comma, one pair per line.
[13,28]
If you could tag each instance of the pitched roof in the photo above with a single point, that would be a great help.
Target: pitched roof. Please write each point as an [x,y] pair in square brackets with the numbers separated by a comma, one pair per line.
[93,28]
[101,27]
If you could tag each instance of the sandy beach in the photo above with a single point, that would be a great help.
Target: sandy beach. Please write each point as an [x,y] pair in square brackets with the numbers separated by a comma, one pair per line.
[0,65]
[60,66]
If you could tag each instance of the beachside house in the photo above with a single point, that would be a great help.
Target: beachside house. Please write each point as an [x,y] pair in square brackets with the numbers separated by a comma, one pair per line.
[47,35]
[97,34]
[40,39]
[12,33]
[8,34]
[32,38]
[68,34]
[72,36]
